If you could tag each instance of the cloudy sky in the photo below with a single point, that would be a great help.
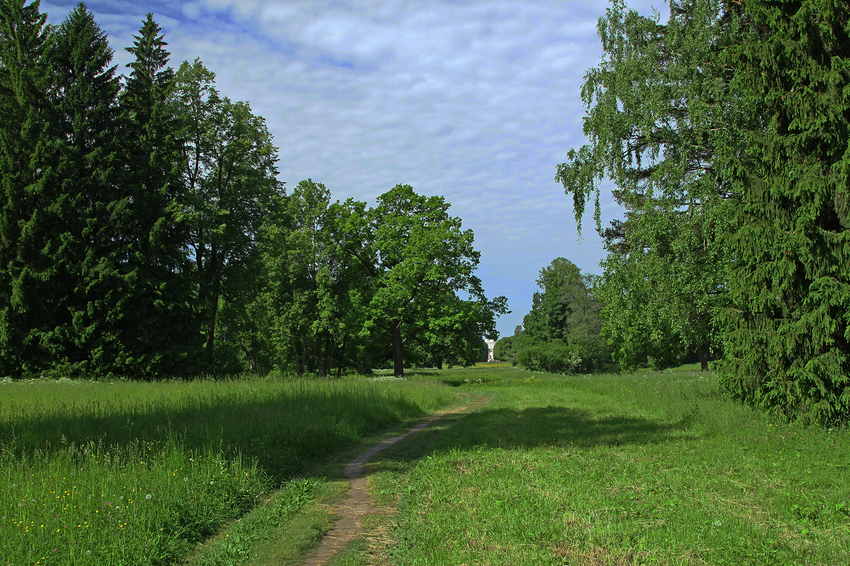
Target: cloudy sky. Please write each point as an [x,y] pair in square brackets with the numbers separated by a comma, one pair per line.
[477,101]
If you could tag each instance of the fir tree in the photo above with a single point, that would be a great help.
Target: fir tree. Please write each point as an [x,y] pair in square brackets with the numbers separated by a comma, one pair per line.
[85,124]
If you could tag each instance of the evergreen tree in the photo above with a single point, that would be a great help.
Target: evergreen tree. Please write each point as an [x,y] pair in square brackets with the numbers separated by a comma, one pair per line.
[788,344]
[85,123]
[158,324]
[30,202]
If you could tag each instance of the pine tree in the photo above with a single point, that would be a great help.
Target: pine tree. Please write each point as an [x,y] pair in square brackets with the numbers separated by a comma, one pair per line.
[788,347]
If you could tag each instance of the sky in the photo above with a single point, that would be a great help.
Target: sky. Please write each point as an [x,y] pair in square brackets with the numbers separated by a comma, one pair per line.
[475,101]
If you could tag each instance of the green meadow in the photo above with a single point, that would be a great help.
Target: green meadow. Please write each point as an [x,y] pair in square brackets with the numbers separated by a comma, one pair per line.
[644,468]
[137,473]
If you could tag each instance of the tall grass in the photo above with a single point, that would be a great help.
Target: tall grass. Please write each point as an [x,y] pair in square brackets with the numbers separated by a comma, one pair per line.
[137,473]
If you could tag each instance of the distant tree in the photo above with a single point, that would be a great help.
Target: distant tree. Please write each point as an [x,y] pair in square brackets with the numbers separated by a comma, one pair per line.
[417,259]
[507,347]
[565,311]
[314,289]
[788,344]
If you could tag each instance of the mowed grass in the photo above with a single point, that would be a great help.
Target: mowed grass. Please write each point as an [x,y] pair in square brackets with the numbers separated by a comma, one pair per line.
[649,468]
[139,473]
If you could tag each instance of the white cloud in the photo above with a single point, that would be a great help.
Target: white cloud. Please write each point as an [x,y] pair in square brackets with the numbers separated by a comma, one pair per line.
[476,101]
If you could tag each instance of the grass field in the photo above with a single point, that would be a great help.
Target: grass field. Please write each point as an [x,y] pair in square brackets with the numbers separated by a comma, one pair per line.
[138,473]
[647,468]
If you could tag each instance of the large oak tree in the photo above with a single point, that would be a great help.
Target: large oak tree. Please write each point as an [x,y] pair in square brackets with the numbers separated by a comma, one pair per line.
[421,267]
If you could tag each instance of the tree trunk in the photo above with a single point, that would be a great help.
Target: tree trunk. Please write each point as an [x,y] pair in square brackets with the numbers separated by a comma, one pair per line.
[210,341]
[341,359]
[299,358]
[398,350]
[329,353]
[308,358]
[320,355]
[703,360]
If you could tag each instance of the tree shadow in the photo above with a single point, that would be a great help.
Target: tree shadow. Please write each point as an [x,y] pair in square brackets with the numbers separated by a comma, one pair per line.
[533,428]
[284,434]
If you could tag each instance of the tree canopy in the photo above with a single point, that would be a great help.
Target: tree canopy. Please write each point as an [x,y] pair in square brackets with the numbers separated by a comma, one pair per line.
[419,260]
[565,314]
[725,133]
[145,233]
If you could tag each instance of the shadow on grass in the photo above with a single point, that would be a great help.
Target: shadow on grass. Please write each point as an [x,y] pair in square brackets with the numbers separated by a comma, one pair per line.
[535,427]
[284,434]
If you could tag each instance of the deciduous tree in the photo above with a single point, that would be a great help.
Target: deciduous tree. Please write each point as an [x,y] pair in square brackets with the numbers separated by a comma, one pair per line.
[659,111]
[418,259]
[229,173]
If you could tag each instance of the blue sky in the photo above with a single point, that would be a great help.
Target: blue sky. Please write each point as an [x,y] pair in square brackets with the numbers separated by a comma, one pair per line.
[477,101]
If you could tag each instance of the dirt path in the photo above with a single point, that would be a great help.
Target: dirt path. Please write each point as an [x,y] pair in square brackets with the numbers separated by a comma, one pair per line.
[358,502]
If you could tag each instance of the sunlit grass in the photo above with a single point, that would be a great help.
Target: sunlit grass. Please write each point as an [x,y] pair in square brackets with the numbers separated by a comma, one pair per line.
[649,468]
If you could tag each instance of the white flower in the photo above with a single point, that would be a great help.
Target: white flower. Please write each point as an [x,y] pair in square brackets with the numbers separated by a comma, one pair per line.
[148,496]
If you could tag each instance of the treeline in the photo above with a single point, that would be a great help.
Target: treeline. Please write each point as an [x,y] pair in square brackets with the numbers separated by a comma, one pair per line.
[563,331]
[144,233]
[726,132]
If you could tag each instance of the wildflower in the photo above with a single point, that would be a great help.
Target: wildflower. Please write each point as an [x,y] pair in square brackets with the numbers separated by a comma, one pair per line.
[148,496]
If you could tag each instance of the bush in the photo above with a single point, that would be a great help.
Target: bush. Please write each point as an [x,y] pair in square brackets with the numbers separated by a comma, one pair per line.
[552,358]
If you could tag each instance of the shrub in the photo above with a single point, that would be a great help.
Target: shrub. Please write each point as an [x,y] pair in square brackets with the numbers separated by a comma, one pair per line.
[552,358]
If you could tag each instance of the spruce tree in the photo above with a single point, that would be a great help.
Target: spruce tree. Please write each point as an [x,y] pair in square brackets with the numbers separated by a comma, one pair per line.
[30,206]
[85,124]
[788,345]
[158,327]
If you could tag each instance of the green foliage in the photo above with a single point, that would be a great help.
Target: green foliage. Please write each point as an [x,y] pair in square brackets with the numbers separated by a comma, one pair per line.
[156,329]
[314,290]
[86,123]
[144,232]
[551,358]
[30,217]
[788,344]
[230,177]
[504,349]
[565,312]
[417,259]
[659,111]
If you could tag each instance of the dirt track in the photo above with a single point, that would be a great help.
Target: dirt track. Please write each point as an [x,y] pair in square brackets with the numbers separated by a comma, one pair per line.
[358,501]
